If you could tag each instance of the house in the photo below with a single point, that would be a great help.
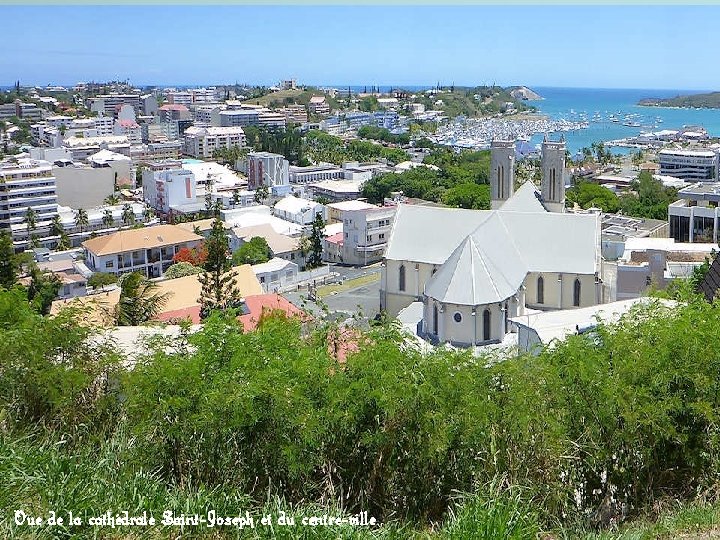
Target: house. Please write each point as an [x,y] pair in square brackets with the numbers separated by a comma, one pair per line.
[298,210]
[276,273]
[318,105]
[148,250]
[366,229]
[281,245]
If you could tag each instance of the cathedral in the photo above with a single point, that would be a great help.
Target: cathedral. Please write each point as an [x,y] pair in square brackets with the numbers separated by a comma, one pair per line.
[473,270]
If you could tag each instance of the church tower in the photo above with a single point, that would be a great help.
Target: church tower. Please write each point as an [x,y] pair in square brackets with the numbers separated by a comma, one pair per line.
[553,174]
[502,172]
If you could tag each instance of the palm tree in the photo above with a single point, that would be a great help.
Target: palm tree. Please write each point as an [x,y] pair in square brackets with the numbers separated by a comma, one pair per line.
[112,200]
[148,213]
[139,300]
[81,218]
[128,216]
[57,228]
[107,219]
[31,219]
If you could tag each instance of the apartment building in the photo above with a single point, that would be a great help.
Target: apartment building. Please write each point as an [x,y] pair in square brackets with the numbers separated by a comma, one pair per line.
[318,105]
[149,250]
[24,111]
[202,142]
[294,114]
[154,151]
[366,229]
[165,189]
[298,210]
[695,216]
[27,184]
[692,165]
[314,173]
[269,169]
[109,104]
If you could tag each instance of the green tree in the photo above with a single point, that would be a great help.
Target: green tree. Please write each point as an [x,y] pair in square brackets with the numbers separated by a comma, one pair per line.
[81,218]
[8,261]
[112,200]
[254,251]
[469,195]
[219,291]
[315,247]
[261,194]
[139,300]
[43,289]
[100,279]
[591,195]
[128,215]
[30,219]
[107,219]
[181,269]
[56,226]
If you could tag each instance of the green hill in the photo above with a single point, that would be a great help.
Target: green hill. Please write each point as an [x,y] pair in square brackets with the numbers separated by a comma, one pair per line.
[710,100]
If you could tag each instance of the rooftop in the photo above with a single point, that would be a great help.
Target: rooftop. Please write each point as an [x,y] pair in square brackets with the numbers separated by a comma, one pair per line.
[135,239]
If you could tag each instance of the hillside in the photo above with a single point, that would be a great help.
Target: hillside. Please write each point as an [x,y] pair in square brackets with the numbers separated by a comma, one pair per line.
[291,97]
[524,93]
[477,101]
[709,100]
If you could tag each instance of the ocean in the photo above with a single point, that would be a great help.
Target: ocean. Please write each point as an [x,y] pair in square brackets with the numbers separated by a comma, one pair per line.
[570,103]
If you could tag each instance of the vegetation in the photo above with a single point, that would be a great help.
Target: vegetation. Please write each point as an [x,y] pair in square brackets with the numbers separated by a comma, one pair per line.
[590,195]
[382,134]
[196,256]
[450,185]
[709,100]
[315,248]
[478,101]
[322,147]
[43,289]
[100,279]
[139,300]
[9,263]
[288,142]
[219,291]
[181,269]
[601,428]
[254,251]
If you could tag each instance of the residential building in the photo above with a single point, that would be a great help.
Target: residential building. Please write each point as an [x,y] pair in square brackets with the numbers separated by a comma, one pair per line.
[318,105]
[294,114]
[366,230]
[314,173]
[298,210]
[149,105]
[694,165]
[656,262]
[281,245]
[141,154]
[129,128]
[694,217]
[276,273]
[27,184]
[167,189]
[148,250]
[83,186]
[83,147]
[24,111]
[259,215]
[336,190]
[271,170]
[109,103]
[202,142]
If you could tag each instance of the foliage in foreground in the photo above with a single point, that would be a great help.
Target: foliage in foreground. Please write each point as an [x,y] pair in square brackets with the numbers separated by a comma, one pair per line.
[594,430]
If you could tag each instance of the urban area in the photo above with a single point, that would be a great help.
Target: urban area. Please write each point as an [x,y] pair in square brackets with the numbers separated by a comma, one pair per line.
[406,224]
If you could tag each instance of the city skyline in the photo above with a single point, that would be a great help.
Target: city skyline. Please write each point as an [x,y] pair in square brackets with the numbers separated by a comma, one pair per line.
[561,46]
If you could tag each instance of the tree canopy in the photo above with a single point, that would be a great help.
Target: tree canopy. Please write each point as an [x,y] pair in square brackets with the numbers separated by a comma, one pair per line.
[254,251]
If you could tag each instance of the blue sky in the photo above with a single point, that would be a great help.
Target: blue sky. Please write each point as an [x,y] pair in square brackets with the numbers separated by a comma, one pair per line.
[576,46]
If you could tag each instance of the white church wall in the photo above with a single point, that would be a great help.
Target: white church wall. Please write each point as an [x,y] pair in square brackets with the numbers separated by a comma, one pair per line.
[416,275]
[552,285]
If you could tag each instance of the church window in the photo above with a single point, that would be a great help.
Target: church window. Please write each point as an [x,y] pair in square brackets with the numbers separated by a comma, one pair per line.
[435,320]
[576,293]
[486,325]
[457,317]
[401,278]
[505,314]
[540,290]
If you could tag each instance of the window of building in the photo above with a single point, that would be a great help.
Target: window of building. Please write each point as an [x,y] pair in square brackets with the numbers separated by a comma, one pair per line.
[401,278]
[109,264]
[435,320]
[457,317]
[576,293]
[540,290]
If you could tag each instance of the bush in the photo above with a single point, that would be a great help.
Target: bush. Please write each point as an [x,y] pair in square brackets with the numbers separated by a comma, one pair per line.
[181,269]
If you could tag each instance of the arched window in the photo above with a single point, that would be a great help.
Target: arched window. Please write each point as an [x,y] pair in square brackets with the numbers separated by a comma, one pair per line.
[435,320]
[486,325]
[540,290]
[576,293]
[401,278]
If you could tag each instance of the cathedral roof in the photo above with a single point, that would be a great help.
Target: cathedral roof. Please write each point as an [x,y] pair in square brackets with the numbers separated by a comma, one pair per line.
[481,270]
[525,199]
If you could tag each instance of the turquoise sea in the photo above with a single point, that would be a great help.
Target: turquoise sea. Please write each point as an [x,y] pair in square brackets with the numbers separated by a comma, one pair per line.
[561,102]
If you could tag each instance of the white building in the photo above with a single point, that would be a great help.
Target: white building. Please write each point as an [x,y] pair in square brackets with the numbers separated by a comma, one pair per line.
[27,184]
[693,165]
[168,189]
[695,217]
[366,230]
[474,270]
[148,250]
[275,274]
[202,142]
[83,186]
[314,173]
[298,210]
[271,170]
